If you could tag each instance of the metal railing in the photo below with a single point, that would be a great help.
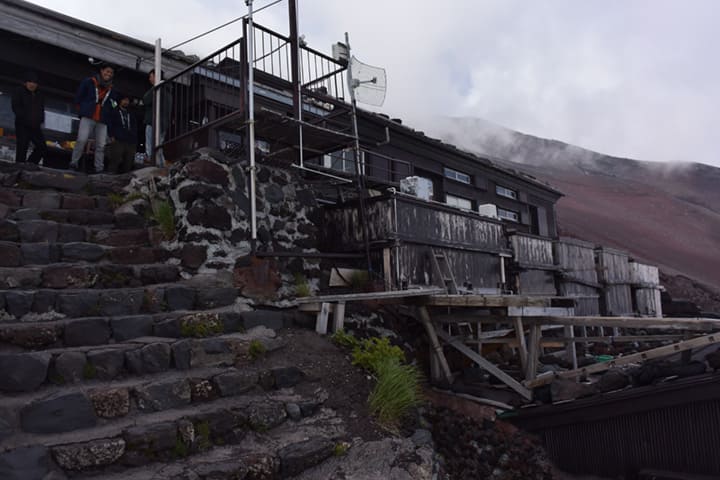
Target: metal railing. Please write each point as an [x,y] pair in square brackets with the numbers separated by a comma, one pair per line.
[213,89]
[374,166]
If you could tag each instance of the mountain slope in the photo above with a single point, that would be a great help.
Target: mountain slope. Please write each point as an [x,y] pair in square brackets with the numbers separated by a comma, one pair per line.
[668,215]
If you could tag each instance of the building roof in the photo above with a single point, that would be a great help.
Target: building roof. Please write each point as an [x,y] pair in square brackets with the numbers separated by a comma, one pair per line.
[496,164]
[48,26]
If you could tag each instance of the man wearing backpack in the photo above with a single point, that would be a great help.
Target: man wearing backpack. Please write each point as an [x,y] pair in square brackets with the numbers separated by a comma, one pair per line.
[95,104]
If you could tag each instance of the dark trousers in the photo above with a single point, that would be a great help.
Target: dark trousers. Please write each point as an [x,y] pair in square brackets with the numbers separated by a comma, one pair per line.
[25,135]
[120,156]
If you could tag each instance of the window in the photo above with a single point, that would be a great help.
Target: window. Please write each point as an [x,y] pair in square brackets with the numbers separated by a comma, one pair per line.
[505,192]
[459,202]
[457,176]
[343,160]
[508,215]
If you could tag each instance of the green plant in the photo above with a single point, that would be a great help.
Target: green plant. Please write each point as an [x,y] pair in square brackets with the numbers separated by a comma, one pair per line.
[164,216]
[201,326]
[89,371]
[115,199]
[302,287]
[202,435]
[181,449]
[396,392]
[359,280]
[256,349]
[341,449]
[344,339]
[373,351]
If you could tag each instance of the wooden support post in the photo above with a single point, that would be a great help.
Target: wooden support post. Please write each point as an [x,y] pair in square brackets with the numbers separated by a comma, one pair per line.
[697,342]
[437,349]
[522,345]
[570,348]
[478,326]
[486,365]
[321,321]
[387,270]
[533,353]
[339,317]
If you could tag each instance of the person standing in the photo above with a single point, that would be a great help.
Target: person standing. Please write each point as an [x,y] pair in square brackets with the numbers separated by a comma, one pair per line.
[122,129]
[165,106]
[28,105]
[95,105]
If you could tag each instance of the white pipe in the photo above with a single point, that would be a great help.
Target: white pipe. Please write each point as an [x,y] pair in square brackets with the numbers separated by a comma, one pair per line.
[156,100]
[251,120]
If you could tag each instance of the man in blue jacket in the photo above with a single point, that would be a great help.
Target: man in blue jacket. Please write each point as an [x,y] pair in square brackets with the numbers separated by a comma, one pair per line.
[123,129]
[95,103]
[29,108]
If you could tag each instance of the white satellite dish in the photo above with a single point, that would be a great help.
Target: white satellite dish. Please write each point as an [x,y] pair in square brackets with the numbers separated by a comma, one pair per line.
[368,83]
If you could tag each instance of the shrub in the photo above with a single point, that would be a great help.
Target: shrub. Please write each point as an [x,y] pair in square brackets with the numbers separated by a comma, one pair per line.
[115,199]
[341,449]
[359,280]
[396,392]
[375,350]
[257,349]
[302,287]
[345,339]
[201,327]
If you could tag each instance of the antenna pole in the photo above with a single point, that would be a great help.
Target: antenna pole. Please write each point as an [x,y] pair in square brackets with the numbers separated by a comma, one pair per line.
[359,164]
[296,73]
[251,122]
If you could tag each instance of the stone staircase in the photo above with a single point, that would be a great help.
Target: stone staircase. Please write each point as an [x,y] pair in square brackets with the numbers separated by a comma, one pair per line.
[117,362]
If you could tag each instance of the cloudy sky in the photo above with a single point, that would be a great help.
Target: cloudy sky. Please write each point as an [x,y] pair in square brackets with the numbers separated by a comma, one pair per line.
[635,78]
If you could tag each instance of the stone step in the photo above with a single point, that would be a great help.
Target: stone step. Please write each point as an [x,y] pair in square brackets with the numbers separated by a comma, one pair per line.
[16,198]
[284,452]
[60,276]
[98,218]
[29,178]
[27,306]
[15,254]
[192,424]
[41,371]
[47,231]
[20,338]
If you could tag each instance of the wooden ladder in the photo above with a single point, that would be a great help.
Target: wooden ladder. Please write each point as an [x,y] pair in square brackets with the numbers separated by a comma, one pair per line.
[442,271]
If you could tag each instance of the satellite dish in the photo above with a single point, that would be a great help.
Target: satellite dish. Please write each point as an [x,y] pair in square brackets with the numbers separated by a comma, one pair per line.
[368,83]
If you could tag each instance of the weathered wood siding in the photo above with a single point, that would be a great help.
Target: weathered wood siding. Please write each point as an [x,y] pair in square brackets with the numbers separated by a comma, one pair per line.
[434,224]
[576,261]
[530,250]
[537,282]
[617,300]
[644,275]
[482,270]
[342,229]
[613,266]
[648,302]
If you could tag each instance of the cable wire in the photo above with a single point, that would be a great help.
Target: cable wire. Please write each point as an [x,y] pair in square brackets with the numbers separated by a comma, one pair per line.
[216,28]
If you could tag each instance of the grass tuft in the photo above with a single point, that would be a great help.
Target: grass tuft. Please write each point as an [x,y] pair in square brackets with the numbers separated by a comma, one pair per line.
[256,350]
[397,391]
[372,351]
[344,339]
[164,216]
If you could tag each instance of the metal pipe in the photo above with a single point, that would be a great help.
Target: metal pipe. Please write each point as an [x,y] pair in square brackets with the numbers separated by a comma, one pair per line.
[251,122]
[156,106]
[296,75]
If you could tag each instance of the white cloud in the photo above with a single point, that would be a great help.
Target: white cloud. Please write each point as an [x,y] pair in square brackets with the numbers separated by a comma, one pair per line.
[637,79]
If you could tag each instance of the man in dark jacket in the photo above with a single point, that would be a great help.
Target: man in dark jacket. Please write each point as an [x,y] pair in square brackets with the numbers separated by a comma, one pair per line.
[28,105]
[122,129]
[95,103]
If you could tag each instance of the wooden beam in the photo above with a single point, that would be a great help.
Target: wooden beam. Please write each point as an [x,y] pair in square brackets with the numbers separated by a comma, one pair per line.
[701,324]
[484,301]
[520,336]
[570,349]
[663,351]
[437,349]
[321,320]
[339,317]
[358,297]
[486,365]
[387,269]
[533,352]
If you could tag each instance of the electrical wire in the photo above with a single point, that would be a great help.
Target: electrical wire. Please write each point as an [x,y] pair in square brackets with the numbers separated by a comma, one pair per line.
[275,2]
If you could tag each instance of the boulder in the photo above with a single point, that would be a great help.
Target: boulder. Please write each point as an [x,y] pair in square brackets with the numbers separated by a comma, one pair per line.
[92,454]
